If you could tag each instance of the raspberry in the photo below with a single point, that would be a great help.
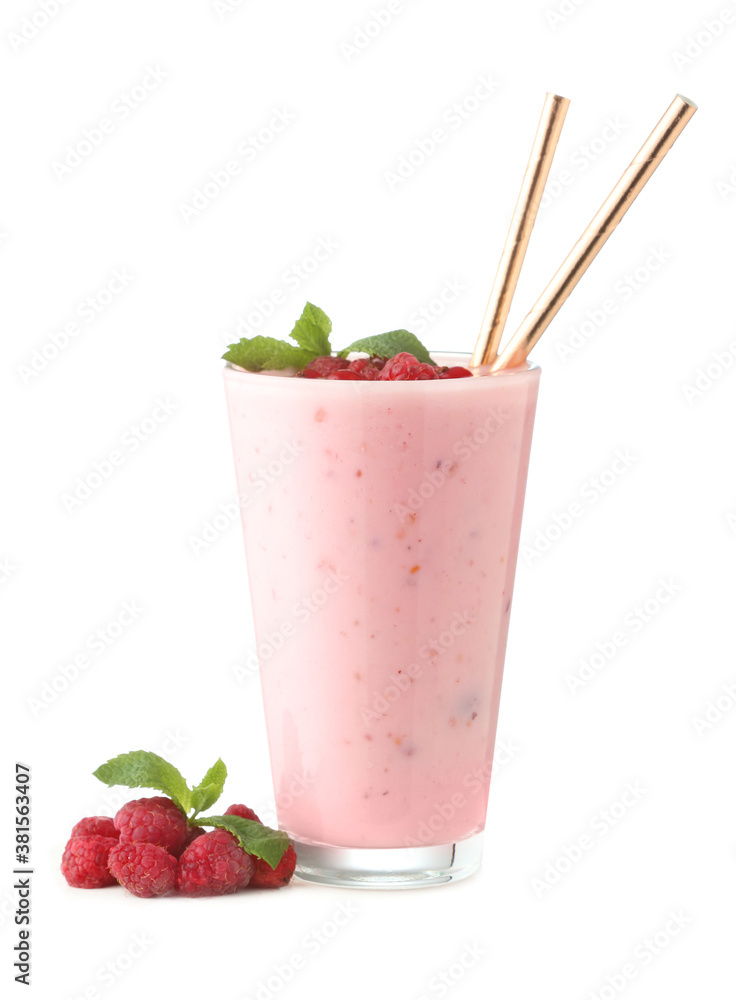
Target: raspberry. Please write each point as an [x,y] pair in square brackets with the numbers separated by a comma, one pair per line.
[95,826]
[213,865]
[154,820]
[143,869]
[324,366]
[368,368]
[194,832]
[405,367]
[266,877]
[84,864]
[456,372]
[243,811]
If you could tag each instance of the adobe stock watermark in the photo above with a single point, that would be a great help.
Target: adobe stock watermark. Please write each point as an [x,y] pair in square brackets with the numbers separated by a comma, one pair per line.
[423,317]
[259,311]
[726,187]
[365,33]
[110,974]
[708,374]
[301,611]
[310,945]
[229,513]
[119,110]
[95,645]
[474,782]
[129,442]
[292,790]
[715,710]
[35,22]
[633,624]
[86,312]
[440,984]
[704,36]
[591,491]
[561,14]
[623,290]
[7,569]
[246,152]
[451,121]
[246,669]
[224,7]
[642,956]
[434,479]
[401,680]
[600,824]
[581,159]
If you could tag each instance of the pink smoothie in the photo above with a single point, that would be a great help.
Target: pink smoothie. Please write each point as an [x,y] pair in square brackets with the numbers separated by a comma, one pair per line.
[381,525]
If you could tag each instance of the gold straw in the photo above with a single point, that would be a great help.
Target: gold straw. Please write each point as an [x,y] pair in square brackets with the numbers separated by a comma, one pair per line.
[608,217]
[522,223]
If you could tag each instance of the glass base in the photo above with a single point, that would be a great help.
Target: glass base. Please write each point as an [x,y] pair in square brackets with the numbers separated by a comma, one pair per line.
[388,868]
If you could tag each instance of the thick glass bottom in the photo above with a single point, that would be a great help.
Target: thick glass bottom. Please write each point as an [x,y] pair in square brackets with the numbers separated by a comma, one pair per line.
[389,868]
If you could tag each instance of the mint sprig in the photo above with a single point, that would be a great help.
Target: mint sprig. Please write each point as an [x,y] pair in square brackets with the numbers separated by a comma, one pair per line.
[208,791]
[311,336]
[254,838]
[141,769]
[312,330]
[386,345]
[267,352]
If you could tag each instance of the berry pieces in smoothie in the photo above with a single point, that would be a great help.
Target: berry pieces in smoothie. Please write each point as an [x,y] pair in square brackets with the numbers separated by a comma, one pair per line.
[368,368]
[325,366]
[404,367]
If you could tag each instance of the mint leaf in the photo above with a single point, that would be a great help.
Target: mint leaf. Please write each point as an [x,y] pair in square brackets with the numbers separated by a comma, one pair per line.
[312,331]
[255,838]
[141,769]
[386,345]
[208,791]
[267,352]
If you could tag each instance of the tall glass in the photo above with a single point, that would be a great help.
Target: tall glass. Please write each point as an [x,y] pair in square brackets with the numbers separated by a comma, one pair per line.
[381,524]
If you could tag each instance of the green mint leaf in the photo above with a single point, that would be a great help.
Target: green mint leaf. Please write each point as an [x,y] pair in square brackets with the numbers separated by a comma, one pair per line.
[312,331]
[386,345]
[208,791]
[140,769]
[267,352]
[255,838]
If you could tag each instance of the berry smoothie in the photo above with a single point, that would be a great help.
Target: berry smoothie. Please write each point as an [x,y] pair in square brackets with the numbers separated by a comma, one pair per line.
[381,524]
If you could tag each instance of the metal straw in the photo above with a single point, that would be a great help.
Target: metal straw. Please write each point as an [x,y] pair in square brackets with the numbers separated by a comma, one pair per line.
[522,223]
[603,224]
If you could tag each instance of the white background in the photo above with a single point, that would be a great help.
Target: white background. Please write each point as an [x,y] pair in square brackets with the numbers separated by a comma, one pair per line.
[177,680]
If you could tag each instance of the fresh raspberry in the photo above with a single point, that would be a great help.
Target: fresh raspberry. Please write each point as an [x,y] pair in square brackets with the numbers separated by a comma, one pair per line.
[368,368]
[405,367]
[84,864]
[266,877]
[155,820]
[143,869]
[324,366]
[194,832]
[213,865]
[95,826]
[456,372]
[243,811]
